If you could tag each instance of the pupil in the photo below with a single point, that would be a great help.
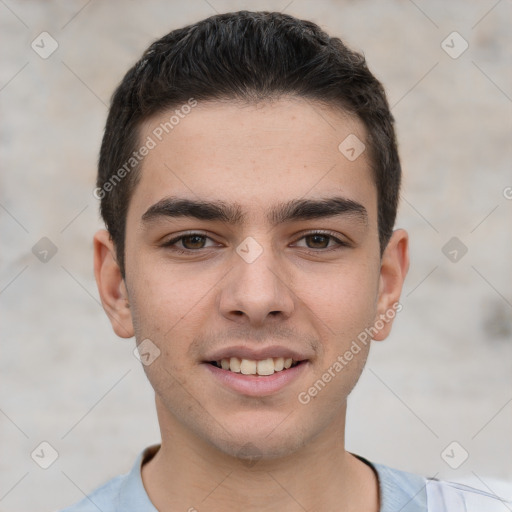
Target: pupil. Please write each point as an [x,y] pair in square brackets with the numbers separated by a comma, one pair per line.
[193,241]
[317,241]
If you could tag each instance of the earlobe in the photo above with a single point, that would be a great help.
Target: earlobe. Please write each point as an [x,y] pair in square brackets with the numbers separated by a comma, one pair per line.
[393,270]
[111,285]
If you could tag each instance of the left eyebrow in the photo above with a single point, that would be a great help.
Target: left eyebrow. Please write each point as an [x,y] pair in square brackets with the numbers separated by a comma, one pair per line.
[308,209]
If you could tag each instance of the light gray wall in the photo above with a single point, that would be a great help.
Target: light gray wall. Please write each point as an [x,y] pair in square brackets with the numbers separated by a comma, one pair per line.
[445,373]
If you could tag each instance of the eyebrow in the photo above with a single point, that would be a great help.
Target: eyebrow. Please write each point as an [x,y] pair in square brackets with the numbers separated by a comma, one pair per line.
[297,209]
[306,209]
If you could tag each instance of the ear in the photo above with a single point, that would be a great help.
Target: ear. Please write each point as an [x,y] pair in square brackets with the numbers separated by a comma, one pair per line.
[393,269]
[111,285]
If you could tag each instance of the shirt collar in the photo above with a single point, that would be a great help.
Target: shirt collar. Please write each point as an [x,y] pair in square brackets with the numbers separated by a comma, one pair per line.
[132,494]
[398,490]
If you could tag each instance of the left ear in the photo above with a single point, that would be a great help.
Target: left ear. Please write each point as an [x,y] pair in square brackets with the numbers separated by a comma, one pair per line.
[393,269]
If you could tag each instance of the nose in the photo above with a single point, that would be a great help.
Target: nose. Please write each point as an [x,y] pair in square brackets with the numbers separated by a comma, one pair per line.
[257,291]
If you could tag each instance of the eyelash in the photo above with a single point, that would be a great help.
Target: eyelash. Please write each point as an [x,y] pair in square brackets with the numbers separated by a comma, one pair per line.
[332,236]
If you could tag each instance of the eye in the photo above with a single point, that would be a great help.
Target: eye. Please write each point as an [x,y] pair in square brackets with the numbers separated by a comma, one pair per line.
[193,241]
[190,242]
[320,241]
[317,241]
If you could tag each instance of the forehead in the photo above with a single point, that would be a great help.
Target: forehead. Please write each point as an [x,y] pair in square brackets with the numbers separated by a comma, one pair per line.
[254,154]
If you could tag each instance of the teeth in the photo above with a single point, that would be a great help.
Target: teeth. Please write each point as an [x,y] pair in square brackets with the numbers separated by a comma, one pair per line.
[234,364]
[248,367]
[252,367]
[265,367]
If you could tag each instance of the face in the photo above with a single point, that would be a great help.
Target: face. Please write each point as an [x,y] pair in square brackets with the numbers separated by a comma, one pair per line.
[251,240]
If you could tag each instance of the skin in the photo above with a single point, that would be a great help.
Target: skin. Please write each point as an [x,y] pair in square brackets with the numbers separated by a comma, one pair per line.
[303,292]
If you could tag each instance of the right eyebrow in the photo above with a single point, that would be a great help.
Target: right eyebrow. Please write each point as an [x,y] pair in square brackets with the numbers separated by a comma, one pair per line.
[202,210]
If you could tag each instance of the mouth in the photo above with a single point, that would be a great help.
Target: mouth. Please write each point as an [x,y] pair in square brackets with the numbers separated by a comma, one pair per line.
[260,368]
[257,377]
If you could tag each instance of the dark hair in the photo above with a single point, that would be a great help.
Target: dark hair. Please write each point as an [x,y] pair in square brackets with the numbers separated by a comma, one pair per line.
[247,56]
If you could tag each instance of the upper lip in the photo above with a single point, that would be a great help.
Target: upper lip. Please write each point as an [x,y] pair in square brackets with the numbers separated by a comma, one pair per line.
[260,353]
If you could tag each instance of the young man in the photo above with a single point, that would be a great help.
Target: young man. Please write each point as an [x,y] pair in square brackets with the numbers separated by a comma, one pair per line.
[249,180]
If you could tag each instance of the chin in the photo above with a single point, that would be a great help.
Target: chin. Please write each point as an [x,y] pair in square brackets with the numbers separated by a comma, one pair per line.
[252,451]
[251,445]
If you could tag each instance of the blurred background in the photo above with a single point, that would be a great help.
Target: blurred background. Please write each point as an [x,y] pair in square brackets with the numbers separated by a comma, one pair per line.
[435,398]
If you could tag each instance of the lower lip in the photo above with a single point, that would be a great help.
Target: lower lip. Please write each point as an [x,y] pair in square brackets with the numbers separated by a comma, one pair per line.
[254,385]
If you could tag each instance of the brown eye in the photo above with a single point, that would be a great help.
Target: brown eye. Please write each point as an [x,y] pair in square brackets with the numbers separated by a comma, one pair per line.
[193,241]
[317,241]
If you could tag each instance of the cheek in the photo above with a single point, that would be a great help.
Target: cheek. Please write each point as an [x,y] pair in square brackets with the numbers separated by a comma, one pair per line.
[168,302]
[344,300]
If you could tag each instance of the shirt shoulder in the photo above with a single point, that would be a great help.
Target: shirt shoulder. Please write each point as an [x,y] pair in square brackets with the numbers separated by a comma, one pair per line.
[400,490]
[409,492]
[104,498]
[124,493]
[446,496]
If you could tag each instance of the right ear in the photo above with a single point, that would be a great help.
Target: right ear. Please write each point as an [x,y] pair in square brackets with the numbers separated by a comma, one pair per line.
[111,285]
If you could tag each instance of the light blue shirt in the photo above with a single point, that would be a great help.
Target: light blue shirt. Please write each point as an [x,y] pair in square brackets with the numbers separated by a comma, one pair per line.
[399,491]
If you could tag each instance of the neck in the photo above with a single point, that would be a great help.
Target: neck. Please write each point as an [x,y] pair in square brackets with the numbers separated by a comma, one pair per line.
[188,473]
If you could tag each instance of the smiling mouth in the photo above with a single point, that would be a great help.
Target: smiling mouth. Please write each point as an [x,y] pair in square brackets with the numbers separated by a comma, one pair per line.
[263,367]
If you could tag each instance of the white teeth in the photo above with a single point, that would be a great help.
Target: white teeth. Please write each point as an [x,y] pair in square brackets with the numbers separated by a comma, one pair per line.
[265,367]
[234,364]
[278,364]
[252,367]
[248,367]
